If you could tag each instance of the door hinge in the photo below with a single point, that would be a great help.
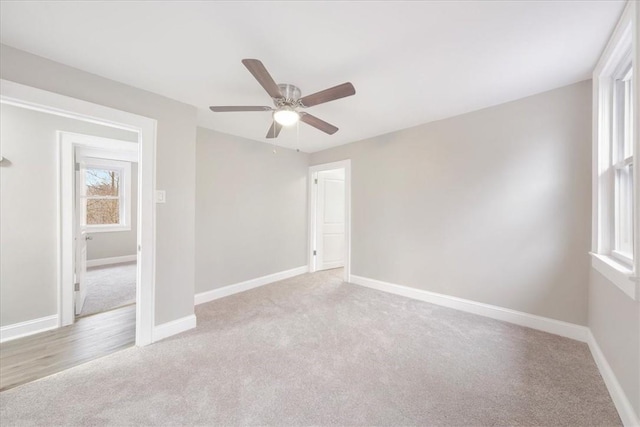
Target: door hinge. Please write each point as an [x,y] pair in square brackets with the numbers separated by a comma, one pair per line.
[315,180]
[314,253]
[77,167]
[77,286]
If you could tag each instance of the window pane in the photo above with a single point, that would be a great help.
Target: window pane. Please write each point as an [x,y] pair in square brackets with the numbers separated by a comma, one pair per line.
[102,182]
[103,211]
[624,210]
[628,119]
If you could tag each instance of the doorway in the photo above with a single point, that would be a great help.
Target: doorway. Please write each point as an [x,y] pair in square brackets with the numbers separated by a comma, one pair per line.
[105,193]
[330,217]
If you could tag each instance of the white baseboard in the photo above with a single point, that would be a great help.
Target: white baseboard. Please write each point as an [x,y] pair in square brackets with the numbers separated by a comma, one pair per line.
[174,327]
[225,291]
[558,327]
[30,327]
[623,405]
[112,260]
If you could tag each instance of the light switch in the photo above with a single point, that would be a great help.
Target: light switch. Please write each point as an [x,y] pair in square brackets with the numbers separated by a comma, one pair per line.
[161,196]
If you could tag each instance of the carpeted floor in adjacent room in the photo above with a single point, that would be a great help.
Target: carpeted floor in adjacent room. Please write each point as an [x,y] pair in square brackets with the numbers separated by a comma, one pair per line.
[109,287]
[315,350]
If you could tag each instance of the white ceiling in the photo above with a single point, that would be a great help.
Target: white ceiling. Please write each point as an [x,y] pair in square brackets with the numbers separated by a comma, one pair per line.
[410,62]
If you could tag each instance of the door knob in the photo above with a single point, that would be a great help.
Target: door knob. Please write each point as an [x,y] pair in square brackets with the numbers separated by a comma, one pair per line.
[88,238]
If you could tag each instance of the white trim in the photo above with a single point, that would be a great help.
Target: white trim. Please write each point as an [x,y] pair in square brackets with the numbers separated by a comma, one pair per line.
[112,260]
[557,327]
[620,400]
[618,274]
[311,203]
[174,327]
[52,103]
[30,327]
[225,291]
[107,228]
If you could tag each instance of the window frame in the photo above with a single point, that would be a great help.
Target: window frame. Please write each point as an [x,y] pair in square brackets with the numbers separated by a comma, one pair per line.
[621,127]
[618,59]
[124,195]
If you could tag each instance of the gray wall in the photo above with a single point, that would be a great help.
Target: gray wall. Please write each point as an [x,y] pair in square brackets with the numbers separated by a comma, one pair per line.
[493,206]
[28,209]
[614,319]
[118,243]
[175,164]
[251,209]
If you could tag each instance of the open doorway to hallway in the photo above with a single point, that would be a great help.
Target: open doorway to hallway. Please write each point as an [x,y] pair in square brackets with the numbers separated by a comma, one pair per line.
[50,210]
[104,203]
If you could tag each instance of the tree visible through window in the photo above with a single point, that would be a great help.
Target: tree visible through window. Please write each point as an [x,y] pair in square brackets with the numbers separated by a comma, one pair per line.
[102,196]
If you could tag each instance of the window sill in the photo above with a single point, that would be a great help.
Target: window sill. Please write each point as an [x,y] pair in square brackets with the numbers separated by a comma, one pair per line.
[106,228]
[621,275]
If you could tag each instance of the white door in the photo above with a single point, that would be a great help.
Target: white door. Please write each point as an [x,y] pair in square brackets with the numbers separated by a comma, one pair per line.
[330,219]
[81,238]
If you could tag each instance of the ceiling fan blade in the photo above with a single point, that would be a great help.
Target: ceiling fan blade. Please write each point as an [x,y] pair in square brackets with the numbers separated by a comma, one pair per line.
[229,108]
[331,94]
[318,124]
[263,77]
[274,130]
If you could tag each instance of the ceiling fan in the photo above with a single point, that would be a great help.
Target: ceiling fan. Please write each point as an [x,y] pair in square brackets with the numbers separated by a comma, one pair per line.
[287,101]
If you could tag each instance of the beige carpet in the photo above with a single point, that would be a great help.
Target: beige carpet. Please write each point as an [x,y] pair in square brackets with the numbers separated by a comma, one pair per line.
[314,351]
[109,287]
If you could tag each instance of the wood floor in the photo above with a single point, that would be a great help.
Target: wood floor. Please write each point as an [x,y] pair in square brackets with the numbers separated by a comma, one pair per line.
[27,359]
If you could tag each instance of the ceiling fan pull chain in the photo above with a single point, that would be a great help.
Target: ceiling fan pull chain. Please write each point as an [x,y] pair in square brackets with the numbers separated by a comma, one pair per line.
[274,141]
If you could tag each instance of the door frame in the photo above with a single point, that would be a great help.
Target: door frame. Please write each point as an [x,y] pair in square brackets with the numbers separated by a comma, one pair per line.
[312,203]
[99,147]
[52,103]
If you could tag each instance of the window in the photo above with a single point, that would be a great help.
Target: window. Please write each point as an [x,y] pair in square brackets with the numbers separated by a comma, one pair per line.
[622,137]
[105,195]
[615,183]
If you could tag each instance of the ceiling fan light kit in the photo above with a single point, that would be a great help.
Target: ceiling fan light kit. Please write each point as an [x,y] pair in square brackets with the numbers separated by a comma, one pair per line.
[287,101]
[286,116]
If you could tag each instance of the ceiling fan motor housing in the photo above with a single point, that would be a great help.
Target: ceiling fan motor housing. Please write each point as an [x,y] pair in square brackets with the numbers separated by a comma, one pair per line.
[290,92]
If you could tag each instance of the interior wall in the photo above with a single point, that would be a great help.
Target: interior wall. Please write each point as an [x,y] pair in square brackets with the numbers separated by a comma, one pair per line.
[614,320]
[28,209]
[118,243]
[175,164]
[251,209]
[492,206]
